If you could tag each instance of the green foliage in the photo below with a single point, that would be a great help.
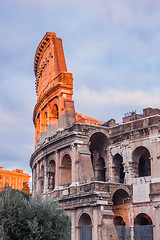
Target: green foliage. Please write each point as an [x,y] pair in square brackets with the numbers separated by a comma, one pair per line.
[25,218]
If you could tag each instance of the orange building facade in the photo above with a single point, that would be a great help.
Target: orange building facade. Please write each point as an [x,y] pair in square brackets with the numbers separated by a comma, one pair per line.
[15,179]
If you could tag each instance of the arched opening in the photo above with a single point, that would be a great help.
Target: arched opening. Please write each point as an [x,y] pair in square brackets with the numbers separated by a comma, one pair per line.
[42,178]
[66,170]
[37,130]
[141,162]
[44,122]
[51,175]
[123,232]
[143,227]
[121,208]
[55,112]
[118,169]
[85,226]
[53,118]
[118,221]
[120,197]
[98,143]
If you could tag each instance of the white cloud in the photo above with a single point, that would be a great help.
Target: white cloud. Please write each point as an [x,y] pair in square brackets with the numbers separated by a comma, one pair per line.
[115,97]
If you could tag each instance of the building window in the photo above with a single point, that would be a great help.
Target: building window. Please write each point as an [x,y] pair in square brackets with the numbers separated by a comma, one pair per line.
[6,178]
[13,179]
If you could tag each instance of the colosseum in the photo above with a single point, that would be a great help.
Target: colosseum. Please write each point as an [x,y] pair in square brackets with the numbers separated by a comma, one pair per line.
[106,176]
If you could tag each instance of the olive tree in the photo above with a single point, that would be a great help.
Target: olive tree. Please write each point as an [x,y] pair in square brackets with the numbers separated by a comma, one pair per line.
[25,218]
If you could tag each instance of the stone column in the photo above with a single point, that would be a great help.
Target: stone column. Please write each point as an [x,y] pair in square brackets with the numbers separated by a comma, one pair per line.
[95,225]
[109,172]
[38,179]
[45,162]
[156,229]
[127,162]
[108,230]
[73,226]
[57,175]
[73,169]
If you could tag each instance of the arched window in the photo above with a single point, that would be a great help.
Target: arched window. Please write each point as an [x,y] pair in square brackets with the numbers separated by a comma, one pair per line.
[55,111]
[118,221]
[118,170]
[85,226]
[44,122]
[120,197]
[120,209]
[143,227]
[141,162]
[98,143]
[38,127]
[51,172]
[66,170]
[42,178]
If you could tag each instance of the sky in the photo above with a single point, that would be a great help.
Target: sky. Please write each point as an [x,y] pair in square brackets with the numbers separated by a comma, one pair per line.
[112,47]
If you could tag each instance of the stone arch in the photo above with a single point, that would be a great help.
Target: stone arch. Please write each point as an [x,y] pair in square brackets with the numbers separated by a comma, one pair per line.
[97,147]
[53,116]
[143,227]
[85,227]
[118,221]
[66,165]
[54,111]
[142,219]
[118,169]
[120,197]
[42,178]
[51,174]
[123,231]
[37,127]
[121,204]
[141,162]
[43,121]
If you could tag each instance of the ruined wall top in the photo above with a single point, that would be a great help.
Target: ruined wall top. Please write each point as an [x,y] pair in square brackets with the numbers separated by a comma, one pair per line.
[49,62]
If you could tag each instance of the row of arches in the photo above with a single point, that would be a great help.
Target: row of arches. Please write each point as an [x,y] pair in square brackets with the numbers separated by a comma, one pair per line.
[142,224]
[141,164]
[65,172]
[142,167]
[143,227]
[48,116]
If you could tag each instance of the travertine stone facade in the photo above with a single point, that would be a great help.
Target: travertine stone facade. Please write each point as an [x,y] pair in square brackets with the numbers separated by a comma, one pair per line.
[106,176]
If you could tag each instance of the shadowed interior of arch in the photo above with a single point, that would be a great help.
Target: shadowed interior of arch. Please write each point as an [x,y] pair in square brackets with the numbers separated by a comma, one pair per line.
[98,144]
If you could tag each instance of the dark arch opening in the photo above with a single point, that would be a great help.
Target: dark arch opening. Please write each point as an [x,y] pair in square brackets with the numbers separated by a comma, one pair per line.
[55,111]
[118,169]
[141,160]
[85,224]
[66,170]
[98,143]
[120,197]
[85,220]
[142,219]
[118,221]
[51,173]
[143,227]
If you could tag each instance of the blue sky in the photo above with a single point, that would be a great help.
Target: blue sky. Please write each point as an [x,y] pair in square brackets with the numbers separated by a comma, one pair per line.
[112,47]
